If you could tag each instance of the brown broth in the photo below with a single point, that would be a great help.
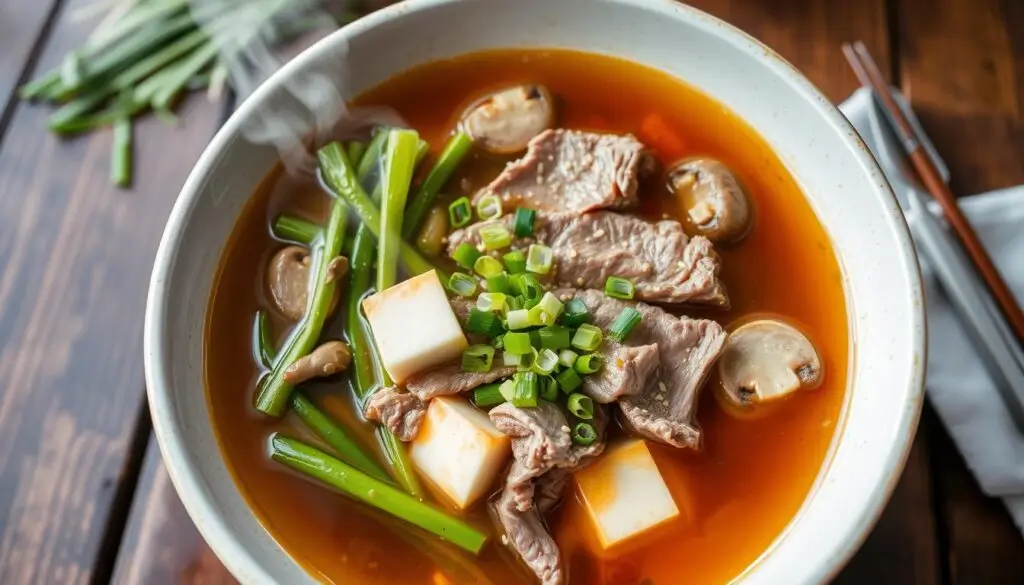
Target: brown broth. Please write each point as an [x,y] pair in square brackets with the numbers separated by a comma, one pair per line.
[736,496]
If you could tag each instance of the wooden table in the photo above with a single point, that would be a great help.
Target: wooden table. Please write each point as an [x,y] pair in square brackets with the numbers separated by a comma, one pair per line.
[83,494]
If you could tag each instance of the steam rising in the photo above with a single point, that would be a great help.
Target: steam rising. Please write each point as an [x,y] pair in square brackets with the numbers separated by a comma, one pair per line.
[311,106]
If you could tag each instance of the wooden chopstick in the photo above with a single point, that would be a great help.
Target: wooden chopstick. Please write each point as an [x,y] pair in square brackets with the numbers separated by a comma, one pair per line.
[870,76]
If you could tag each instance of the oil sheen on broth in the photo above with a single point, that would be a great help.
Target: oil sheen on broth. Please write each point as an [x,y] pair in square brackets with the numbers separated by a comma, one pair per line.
[735,497]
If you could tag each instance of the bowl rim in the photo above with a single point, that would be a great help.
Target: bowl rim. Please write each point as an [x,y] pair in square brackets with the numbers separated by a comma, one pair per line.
[208,519]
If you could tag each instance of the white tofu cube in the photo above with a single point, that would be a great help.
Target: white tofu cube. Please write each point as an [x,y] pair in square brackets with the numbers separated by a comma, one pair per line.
[459,450]
[414,326]
[625,494]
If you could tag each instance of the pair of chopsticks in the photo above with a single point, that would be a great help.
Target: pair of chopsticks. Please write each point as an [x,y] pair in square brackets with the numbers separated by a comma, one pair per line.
[996,328]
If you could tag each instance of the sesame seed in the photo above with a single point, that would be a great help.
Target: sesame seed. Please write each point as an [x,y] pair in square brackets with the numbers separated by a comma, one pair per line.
[540,169]
[579,281]
[659,396]
[598,233]
[664,402]
[565,429]
[662,386]
[504,540]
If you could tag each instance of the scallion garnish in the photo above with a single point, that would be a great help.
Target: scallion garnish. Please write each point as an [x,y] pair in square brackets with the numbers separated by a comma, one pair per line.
[460,212]
[515,261]
[491,301]
[526,390]
[569,380]
[588,363]
[584,434]
[546,362]
[587,337]
[527,360]
[489,207]
[575,313]
[507,389]
[517,319]
[488,395]
[462,284]
[581,406]
[528,287]
[624,323]
[477,358]
[538,317]
[499,283]
[554,337]
[539,259]
[484,323]
[486,267]
[466,255]
[495,236]
[523,222]
[548,389]
[567,357]
[550,304]
[517,343]
[510,359]
[619,288]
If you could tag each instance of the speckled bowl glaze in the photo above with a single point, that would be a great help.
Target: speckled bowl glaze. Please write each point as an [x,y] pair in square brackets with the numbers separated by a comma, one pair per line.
[839,176]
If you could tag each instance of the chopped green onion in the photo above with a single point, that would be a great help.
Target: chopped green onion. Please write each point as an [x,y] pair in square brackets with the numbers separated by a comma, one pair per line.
[517,319]
[517,343]
[488,395]
[460,212]
[587,338]
[588,363]
[546,362]
[507,389]
[515,261]
[619,288]
[513,303]
[510,359]
[584,434]
[539,259]
[484,323]
[527,286]
[554,337]
[293,229]
[569,380]
[527,389]
[491,301]
[523,222]
[581,406]
[527,360]
[550,304]
[623,325]
[489,207]
[499,341]
[499,283]
[477,358]
[548,389]
[462,284]
[575,314]
[539,316]
[495,236]
[567,357]
[487,267]
[466,255]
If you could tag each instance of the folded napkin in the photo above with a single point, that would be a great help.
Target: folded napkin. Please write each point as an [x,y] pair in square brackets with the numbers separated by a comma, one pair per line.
[957,383]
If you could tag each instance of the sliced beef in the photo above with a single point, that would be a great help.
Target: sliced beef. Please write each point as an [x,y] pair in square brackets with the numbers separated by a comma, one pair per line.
[625,372]
[568,171]
[402,413]
[664,263]
[450,379]
[540,441]
[665,410]
[528,536]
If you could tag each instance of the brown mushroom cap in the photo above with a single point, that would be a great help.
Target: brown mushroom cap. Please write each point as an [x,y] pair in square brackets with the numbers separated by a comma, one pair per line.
[764,361]
[505,121]
[288,280]
[715,202]
[327,359]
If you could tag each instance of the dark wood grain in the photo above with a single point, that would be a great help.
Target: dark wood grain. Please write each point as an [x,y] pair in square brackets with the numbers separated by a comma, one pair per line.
[23,33]
[161,545]
[962,67]
[76,256]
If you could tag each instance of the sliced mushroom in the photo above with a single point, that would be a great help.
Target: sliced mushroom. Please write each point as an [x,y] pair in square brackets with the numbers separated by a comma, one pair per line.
[715,202]
[288,280]
[505,121]
[328,359]
[764,361]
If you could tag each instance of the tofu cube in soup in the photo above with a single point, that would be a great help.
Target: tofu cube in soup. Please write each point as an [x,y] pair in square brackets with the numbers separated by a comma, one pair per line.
[459,450]
[413,326]
[625,494]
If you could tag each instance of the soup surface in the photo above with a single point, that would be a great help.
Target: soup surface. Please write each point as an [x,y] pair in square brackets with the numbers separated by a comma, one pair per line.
[736,496]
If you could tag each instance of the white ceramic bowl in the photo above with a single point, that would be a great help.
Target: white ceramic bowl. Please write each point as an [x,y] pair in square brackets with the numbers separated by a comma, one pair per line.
[835,170]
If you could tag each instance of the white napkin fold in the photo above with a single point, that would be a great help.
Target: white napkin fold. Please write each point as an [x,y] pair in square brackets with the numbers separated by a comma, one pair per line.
[957,383]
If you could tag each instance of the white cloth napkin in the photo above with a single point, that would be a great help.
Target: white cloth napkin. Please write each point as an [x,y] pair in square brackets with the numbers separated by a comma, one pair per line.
[957,384]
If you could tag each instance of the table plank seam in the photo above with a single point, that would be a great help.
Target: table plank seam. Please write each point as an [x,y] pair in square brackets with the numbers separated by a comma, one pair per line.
[29,66]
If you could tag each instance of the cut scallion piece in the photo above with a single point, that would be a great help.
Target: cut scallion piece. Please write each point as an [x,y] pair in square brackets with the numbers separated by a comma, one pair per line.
[575,313]
[554,337]
[487,396]
[526,391]
[515,261]
[510,359]
[499,283]
[550,304]
[528,287]
[623,325]
[527,360]
[548,389]
[539,259]
[567,357]
[489,207]
[484,323]
[459,212]
[568,380]
[619,288]
[588,363]
[466,255]
[507,389]
[587,338]
[539,316]
[584,434]
[513,303]
[487,267]
[294,229]
[462,284]
[546,362]
[491,302]
[523,222]
[495,236]
[581,406]
[517,343]
[517,319]
[477,358]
